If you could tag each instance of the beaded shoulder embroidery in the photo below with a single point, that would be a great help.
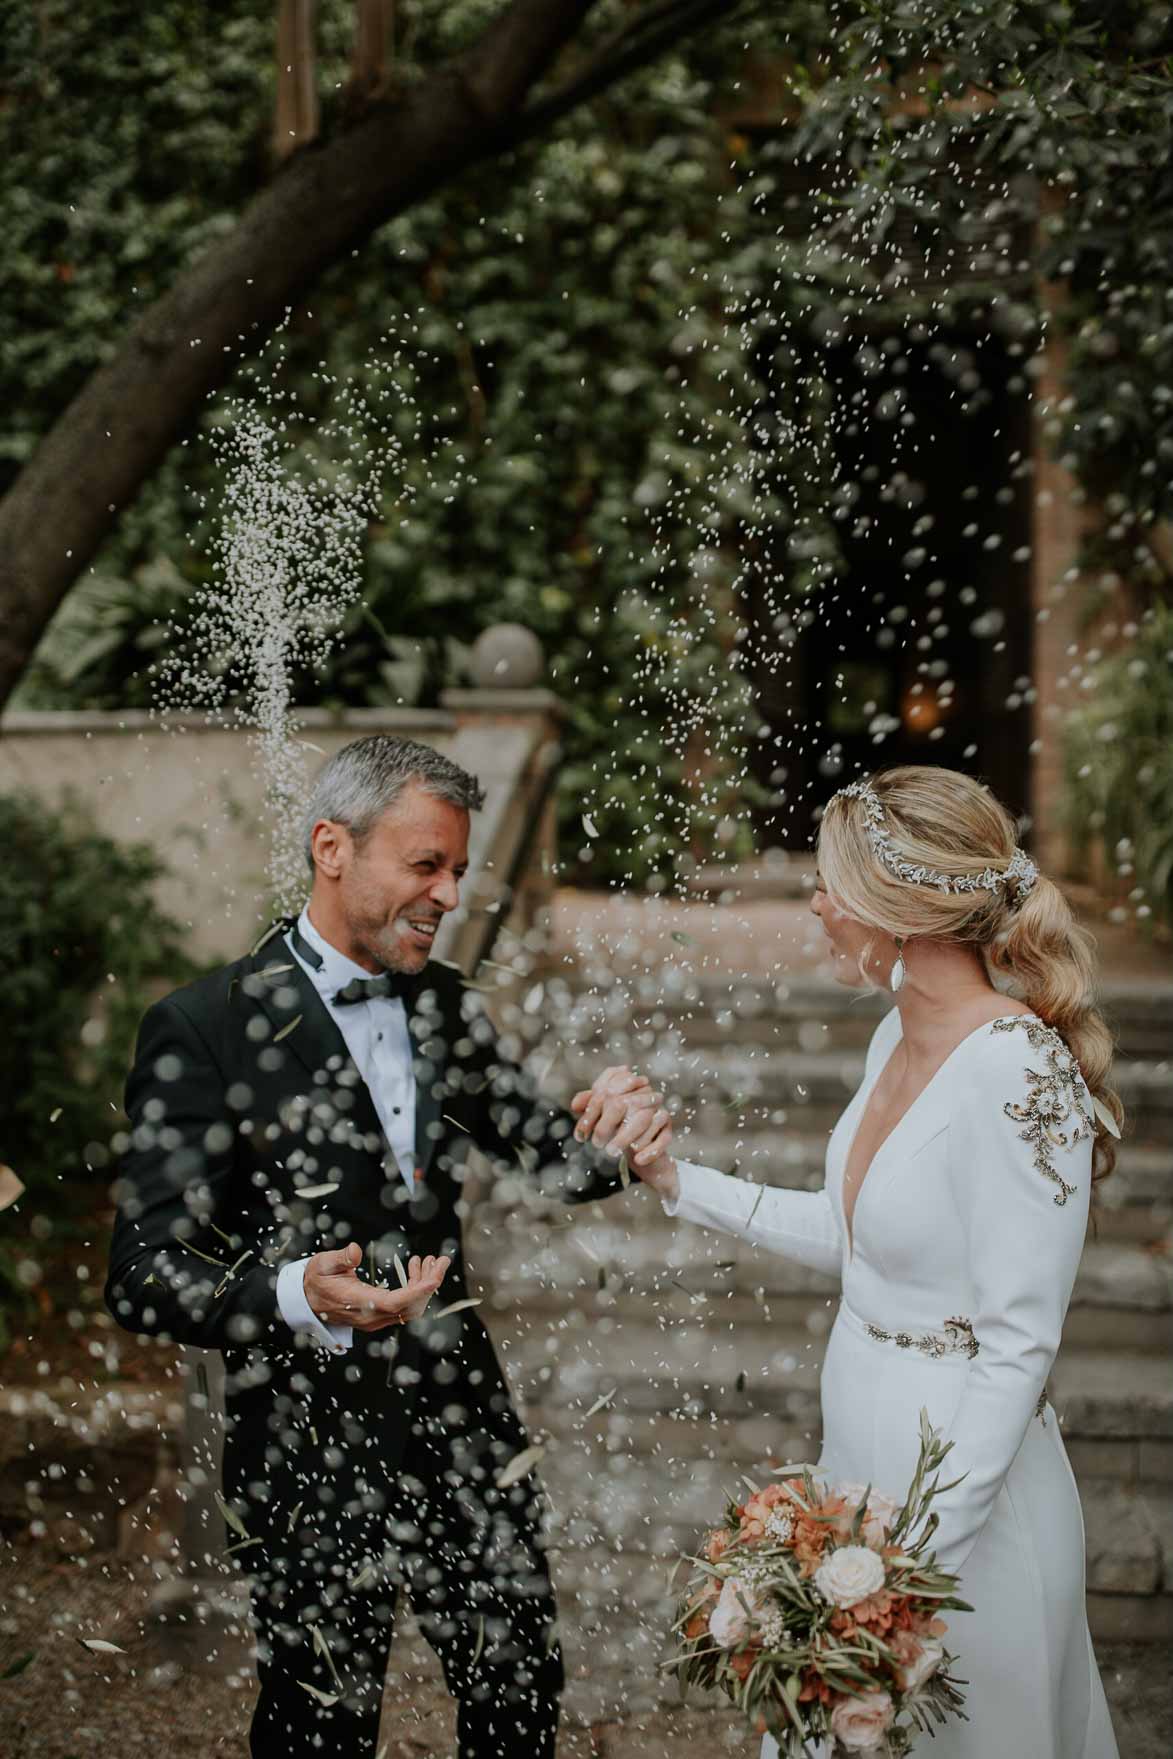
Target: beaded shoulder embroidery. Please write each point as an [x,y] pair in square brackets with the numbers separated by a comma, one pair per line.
[1055,1111]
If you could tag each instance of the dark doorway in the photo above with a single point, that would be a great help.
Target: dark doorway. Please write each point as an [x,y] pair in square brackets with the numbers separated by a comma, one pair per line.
[919,651]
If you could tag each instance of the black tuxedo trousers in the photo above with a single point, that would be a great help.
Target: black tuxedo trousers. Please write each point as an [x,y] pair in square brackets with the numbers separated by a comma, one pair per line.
[356,1478]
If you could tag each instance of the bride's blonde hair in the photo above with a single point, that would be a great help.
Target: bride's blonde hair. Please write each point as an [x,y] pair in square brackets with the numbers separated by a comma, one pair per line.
[947,822]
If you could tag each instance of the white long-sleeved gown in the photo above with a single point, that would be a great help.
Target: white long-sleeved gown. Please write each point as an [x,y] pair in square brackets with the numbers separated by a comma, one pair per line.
[967,1234]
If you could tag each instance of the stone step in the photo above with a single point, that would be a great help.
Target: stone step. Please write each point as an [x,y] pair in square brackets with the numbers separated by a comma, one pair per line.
[632,1260]
[651,1513]
[1134,1205]
[801,1013]
[687,1393]
[738,1087]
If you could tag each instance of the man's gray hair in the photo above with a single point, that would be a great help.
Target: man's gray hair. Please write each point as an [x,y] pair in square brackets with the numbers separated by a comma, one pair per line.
[356,786]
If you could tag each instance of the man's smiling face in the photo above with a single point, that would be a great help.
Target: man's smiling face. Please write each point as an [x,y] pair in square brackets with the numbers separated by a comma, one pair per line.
[396,884]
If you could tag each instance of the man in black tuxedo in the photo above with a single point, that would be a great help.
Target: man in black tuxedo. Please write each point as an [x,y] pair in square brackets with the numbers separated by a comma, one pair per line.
[291,1196]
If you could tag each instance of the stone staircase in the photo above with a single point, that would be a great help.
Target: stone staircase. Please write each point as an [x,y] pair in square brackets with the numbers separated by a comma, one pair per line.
[660,1363]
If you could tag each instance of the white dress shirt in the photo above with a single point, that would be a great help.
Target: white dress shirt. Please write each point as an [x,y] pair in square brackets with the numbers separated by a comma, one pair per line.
[376,1036]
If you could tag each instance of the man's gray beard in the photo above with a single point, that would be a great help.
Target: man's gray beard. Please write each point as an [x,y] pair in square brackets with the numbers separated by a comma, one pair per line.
[387,962]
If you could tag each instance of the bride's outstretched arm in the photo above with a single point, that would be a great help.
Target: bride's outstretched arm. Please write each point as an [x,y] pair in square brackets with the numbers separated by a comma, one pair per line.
[799,1225]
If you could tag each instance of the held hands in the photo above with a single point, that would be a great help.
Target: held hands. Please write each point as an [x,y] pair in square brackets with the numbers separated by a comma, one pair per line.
[622,1114]
[336,1295]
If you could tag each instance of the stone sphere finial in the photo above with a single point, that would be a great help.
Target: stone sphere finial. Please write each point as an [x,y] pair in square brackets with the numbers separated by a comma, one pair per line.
[507,656]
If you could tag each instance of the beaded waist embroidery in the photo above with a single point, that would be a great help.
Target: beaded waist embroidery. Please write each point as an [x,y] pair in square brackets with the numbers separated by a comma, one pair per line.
[956,1339]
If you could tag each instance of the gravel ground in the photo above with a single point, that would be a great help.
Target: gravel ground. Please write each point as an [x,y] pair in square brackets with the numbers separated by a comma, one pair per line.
[69,1703]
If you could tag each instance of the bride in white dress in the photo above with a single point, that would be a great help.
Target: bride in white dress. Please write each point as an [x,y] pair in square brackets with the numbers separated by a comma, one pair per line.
[954,1210]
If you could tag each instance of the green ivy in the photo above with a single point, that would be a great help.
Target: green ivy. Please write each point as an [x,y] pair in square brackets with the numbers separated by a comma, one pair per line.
[1120,766]
[583,333]
[82,945]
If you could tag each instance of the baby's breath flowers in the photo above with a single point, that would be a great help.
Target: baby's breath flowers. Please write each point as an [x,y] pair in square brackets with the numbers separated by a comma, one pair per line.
[817,1608]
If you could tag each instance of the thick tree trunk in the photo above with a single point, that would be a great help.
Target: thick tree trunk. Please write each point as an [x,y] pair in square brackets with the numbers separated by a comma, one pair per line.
[326,201]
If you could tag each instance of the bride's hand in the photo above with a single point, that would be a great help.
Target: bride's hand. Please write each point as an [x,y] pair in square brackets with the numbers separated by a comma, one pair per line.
[655,1165]
[625,1116]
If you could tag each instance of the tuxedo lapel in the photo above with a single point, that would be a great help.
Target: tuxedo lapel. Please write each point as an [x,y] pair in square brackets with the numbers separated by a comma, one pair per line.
[428,1062]
[301,1022]
[303,1025]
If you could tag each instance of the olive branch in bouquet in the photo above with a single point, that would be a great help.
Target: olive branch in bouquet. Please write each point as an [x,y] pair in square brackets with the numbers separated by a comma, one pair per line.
[816,1609]
[917,1511]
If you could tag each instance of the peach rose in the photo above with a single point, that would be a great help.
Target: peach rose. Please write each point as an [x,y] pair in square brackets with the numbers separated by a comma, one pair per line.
[729,1622]
[881,1512]
[859,1724]
[916,1659]
[718,1544]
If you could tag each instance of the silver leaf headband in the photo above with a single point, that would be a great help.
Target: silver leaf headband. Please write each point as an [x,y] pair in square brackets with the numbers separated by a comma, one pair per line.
[1020,866]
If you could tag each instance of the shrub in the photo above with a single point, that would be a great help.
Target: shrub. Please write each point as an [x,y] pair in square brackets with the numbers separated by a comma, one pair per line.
[82,943]
[1120,766]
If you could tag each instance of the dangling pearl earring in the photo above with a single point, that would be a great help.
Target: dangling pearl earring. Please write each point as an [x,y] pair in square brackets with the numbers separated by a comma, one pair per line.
[897,974]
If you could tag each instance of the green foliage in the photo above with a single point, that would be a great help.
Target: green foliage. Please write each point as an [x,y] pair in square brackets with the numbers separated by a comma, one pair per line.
[584,332]
[559,331]
[1120,765]
[83,942]
[1054,123]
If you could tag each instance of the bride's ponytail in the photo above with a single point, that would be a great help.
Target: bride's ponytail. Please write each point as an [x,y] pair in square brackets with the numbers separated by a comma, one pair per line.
[938,821]
[1049,956]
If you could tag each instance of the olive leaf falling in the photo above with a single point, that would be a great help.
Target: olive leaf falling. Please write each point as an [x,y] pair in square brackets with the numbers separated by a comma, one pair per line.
[457,1307]
[519,1466]
[235,1522]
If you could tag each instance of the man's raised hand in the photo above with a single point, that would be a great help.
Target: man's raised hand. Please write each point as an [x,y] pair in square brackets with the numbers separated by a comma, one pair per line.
[335,1293]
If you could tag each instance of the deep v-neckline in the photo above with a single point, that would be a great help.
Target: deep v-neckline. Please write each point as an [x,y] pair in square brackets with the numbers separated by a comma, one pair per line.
[868,1090]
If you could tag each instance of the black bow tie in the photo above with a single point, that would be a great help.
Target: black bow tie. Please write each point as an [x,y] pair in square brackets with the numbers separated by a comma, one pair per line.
[397,985]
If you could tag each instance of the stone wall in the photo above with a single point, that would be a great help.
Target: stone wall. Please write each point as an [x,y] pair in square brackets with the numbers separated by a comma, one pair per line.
[192,791]
[195,793]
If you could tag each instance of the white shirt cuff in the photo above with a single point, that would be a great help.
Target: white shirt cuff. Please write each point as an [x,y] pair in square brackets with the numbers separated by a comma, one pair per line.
[297,1312]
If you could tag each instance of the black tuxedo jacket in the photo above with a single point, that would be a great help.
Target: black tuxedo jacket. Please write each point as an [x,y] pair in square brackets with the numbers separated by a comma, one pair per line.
[244,1103]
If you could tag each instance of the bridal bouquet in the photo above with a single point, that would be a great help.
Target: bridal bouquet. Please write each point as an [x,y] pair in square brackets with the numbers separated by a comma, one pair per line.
[816,1607]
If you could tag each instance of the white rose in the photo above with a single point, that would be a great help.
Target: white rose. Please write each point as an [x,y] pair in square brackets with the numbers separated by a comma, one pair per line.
[913,1674]
[849,1574]
[859,1724]
[729,1622]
